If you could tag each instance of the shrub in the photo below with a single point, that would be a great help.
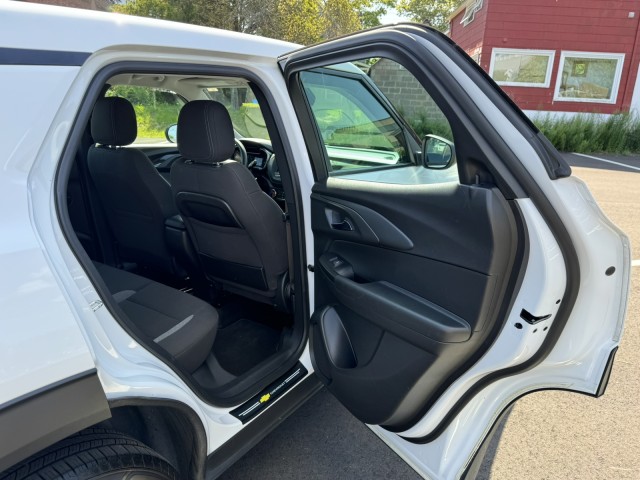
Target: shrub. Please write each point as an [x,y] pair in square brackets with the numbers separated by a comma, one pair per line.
[619,133]
[423,125]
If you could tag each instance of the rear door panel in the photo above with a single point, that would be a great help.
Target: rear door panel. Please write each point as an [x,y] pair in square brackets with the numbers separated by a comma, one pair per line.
[412,288]
[505,245]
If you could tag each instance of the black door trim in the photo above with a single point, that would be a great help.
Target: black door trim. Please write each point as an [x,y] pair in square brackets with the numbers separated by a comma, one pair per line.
[49,414]
[227,454]
[57,58]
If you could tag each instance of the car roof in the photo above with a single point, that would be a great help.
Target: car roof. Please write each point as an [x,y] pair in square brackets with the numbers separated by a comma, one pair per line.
[45,27]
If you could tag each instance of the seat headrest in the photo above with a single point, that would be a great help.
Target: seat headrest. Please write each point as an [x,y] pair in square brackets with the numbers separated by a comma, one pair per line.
[205,132]
[113,122]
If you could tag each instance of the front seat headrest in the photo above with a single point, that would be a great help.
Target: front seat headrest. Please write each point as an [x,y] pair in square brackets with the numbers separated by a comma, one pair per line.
[205,132]
[113,122]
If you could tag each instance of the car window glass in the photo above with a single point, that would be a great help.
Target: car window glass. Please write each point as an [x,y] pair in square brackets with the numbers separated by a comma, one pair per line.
[372,116]
[243,108]
[156,110]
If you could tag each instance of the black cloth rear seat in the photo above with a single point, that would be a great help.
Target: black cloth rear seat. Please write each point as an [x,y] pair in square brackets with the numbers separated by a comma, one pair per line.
[181,324]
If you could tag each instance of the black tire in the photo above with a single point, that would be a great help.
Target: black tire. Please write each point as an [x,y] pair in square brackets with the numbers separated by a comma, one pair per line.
[94,454]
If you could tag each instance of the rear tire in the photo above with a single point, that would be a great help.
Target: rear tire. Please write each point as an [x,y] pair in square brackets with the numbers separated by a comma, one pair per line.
[94,454]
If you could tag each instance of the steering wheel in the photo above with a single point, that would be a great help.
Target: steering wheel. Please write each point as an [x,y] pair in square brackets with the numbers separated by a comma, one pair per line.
[240,153]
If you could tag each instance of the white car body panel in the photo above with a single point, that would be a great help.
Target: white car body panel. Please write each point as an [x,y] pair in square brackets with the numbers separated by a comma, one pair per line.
[41,342]
[85,333]
[125,368]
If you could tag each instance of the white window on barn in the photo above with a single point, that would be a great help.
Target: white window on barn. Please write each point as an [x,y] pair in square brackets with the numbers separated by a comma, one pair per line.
[470,12]
[589,77]
[521,68]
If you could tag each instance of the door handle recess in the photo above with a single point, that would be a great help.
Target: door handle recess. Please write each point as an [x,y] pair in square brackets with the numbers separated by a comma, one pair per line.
[337,220]
[344,225]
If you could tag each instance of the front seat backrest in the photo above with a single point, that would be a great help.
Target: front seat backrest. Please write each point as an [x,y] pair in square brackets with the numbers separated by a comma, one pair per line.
[238,230]
[135,197]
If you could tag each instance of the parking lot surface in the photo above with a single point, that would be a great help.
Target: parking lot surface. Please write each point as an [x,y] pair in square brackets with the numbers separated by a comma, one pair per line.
[553,435]
[548,435]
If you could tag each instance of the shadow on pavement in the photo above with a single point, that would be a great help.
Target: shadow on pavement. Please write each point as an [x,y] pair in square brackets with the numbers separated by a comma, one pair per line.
[627,163]
[321,440]
[484,472]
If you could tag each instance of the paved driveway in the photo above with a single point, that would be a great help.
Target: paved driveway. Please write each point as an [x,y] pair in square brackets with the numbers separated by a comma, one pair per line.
[548,435]
[558,435]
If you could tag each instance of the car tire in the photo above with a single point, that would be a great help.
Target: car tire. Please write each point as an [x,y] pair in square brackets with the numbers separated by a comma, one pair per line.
[94,454]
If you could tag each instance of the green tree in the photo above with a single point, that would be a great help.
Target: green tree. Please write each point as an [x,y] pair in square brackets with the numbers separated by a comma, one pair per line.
[311,21]
[162,9]
[341,17]
[299,21]
[432,12]
[371,11]
[249,16]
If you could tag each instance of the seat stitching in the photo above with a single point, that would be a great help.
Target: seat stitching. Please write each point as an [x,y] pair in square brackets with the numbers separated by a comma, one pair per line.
[208,127]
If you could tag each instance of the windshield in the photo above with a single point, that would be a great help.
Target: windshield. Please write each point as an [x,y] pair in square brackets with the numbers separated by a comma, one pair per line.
[243,108]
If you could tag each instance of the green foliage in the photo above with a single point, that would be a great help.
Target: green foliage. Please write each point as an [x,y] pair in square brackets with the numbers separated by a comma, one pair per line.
[431,12]
[371,11]
[153,121]
[155,109]
[299,21]
[423,126]
[163,9]
[618,133]
[249,16]
[341,17]
[311,21]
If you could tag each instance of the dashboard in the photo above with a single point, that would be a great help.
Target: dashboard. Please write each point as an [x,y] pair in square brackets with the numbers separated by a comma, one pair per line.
[263,165]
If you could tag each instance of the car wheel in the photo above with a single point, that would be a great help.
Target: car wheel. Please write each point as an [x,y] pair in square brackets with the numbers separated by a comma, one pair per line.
[95,454]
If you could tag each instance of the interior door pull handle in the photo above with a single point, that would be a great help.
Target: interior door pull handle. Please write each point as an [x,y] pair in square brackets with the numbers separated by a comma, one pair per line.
[344,225]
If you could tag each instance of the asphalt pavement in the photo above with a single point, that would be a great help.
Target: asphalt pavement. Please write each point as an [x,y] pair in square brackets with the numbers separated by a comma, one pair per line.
[560,435]
[547,435]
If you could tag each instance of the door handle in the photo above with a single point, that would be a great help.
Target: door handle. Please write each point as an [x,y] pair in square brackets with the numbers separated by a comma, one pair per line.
[344,225]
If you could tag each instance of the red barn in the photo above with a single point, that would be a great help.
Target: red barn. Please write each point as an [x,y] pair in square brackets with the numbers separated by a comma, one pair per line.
[556,55]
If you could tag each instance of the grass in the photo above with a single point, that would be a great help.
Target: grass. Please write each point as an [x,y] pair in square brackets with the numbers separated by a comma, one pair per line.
[619,133]
[153,121]
[427,126]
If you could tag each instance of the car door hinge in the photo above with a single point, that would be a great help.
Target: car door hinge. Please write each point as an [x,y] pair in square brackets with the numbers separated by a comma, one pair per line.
[95,305]
[311,268]
[531,319]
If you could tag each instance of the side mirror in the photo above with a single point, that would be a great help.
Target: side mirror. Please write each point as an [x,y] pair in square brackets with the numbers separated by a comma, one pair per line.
[437,152]
[171,133]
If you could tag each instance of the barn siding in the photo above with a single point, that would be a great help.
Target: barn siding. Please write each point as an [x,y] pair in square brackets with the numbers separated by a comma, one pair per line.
[580,25]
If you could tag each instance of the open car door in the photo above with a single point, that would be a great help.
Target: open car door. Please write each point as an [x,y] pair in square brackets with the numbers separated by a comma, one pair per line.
[458,265]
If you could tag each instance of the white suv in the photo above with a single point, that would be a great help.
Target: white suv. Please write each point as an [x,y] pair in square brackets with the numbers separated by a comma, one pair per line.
[200,228]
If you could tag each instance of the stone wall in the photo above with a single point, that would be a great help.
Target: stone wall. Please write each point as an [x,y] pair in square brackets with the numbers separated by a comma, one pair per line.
[405,92]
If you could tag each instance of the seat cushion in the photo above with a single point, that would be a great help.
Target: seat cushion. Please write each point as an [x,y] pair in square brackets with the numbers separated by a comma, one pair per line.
[181,324]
